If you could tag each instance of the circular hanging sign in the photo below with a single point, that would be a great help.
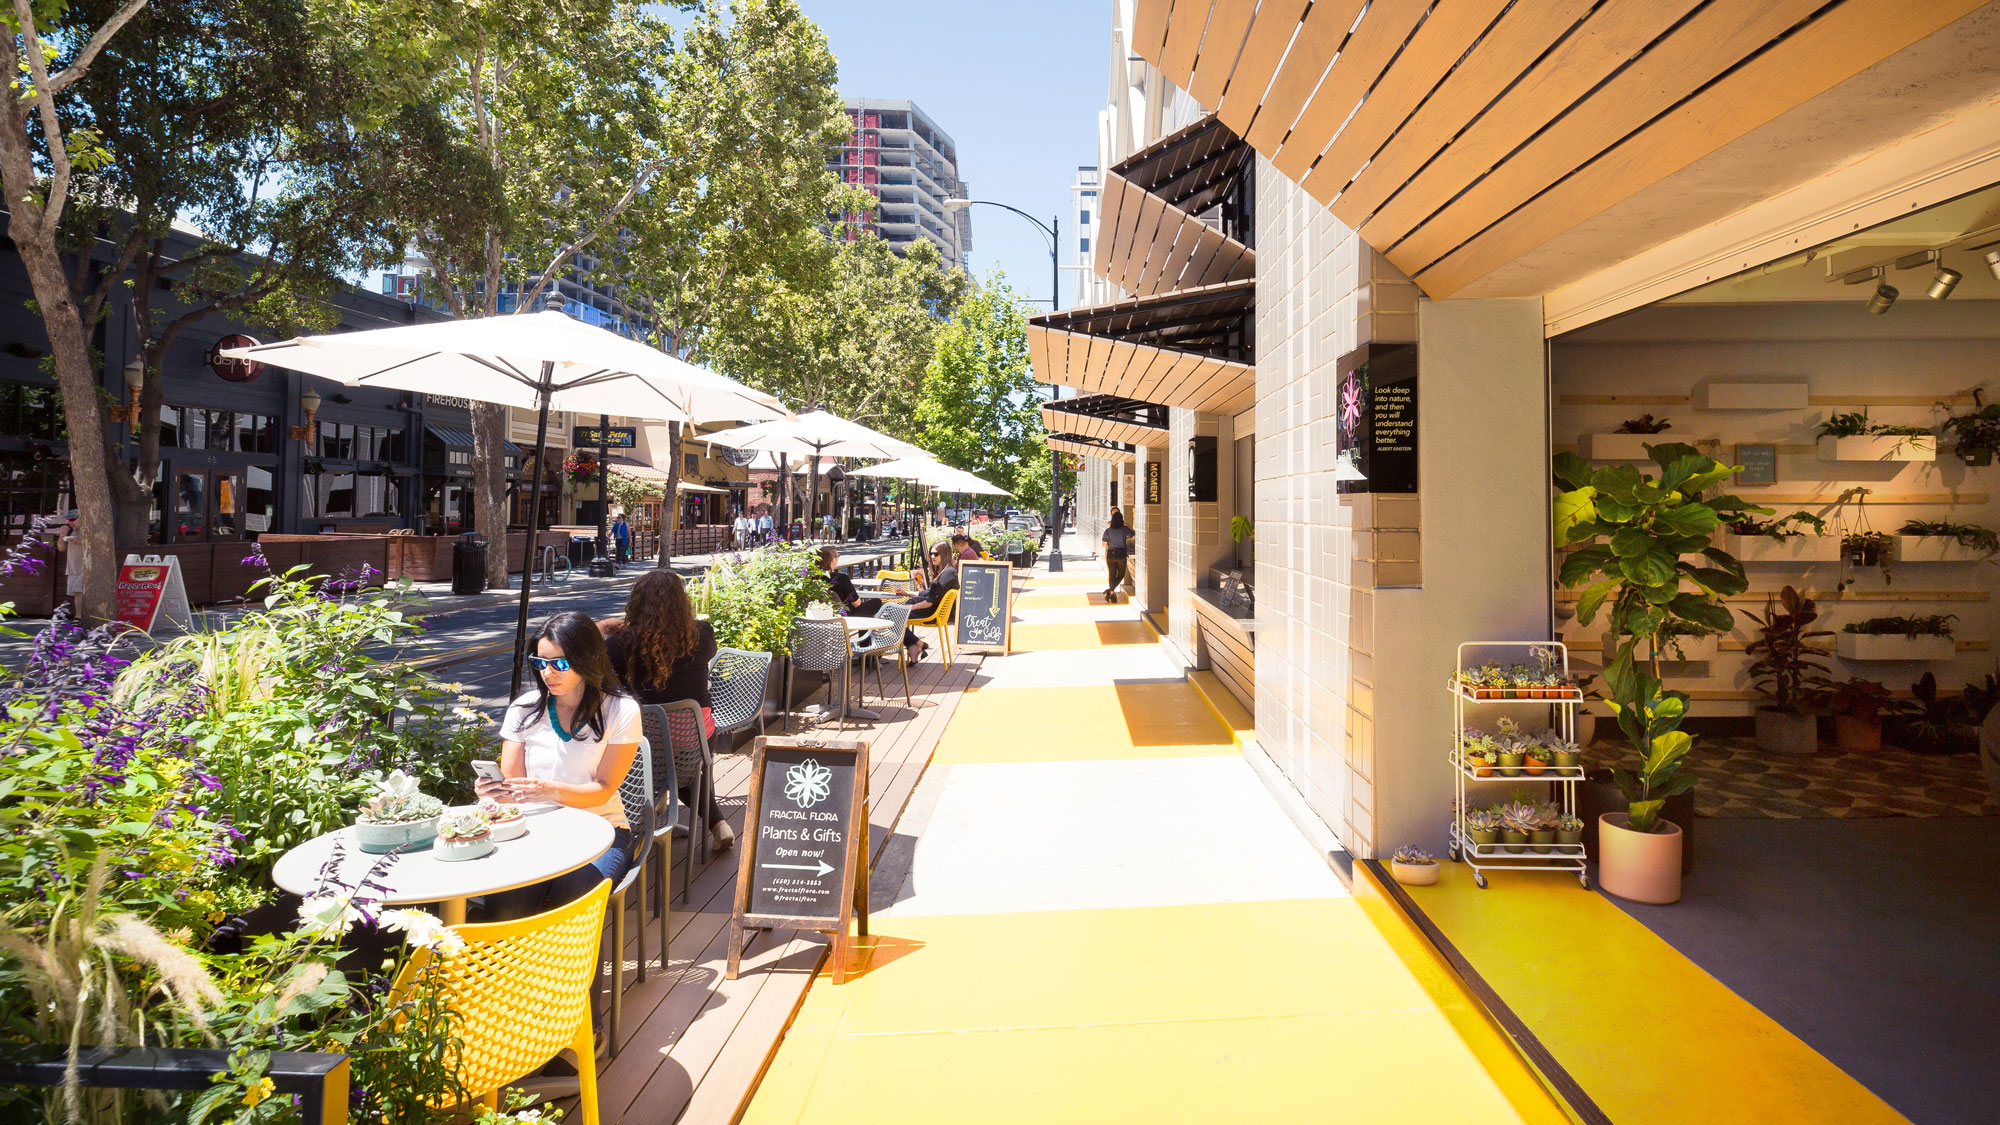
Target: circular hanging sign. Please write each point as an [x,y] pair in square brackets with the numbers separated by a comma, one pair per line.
[234,370]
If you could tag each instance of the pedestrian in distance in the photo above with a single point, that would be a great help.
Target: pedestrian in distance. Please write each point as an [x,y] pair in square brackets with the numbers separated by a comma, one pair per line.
[621,533]
[766,529]
[69,543]
[1118,540]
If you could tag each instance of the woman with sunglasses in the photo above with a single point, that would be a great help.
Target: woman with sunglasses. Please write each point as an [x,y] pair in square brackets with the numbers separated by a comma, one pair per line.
[944,563]
[568,740]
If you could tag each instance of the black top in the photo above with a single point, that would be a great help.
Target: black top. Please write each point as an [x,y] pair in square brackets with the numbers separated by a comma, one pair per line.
[688,680]
[947,579]
[843,588]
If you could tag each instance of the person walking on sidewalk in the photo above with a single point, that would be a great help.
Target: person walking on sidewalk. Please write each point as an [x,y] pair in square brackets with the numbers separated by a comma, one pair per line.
[1117,547]
[621,533]
[767,531]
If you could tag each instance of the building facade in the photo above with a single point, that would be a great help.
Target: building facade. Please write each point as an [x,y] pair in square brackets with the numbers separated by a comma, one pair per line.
[897,154]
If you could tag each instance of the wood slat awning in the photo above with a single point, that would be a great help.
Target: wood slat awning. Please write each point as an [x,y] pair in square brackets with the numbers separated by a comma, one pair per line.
[1460,138]
[1084,446]
[1191,348]
[1210,319]
[1108,418]
[1145,245]
[1193,168]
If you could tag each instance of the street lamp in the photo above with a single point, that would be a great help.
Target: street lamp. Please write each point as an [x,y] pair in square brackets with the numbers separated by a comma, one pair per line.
[1051,229]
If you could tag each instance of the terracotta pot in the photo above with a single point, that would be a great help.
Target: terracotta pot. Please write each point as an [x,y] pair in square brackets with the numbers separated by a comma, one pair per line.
[1535,765]
[1853,732]
[1640,866]
[1781,732]
[1415,874]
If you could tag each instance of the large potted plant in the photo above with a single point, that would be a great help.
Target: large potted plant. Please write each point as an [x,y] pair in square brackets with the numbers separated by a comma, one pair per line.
[1639,850]
[1788,670]
[1856,707]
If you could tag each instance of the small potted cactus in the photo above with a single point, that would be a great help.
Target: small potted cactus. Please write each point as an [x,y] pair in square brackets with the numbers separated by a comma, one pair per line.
[463,834]
[1492,682]
[397,816]
[1569,830]
[1414,867]
[1483,825]
[1517,824]
[1542,836]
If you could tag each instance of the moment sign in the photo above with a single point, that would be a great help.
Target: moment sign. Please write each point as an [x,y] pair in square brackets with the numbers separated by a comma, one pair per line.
[804,865]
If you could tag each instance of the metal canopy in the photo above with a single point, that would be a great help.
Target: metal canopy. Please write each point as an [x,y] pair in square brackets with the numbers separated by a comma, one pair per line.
[1108,418]
[1084,446]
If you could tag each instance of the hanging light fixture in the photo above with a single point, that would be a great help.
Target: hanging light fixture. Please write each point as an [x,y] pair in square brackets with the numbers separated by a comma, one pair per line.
[1993,262]
[1943,281]
[1883,298]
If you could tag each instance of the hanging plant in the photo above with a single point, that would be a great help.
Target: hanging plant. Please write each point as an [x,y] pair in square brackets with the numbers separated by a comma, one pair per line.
[1978,433]
[581,467]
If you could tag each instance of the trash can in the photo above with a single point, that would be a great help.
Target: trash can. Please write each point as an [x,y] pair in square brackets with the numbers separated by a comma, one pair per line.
[582,548]
[468,564]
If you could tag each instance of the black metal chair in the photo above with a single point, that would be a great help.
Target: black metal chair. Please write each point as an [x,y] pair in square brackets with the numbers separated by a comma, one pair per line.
[819,645]
[687,747]
[878,643]
[666,810]
[736,681]
[636,794]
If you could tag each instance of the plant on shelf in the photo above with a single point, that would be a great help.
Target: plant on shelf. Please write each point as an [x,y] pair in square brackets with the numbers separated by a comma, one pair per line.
[1517,825]
[1561,752]
[1788,670]
[1483,825]
[1978,433]
[1856,424]
[1543,836]
[1512,745]
[1908,625]
[1869,548]
[1856,706]
[1643,424]
[1793,526]
[1969,535]
[1569,829]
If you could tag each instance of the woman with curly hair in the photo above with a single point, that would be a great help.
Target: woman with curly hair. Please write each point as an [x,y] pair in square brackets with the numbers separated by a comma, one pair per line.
[662,652]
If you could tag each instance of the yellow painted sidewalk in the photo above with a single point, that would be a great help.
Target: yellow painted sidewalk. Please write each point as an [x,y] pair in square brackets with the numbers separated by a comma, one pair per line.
[1286,1010]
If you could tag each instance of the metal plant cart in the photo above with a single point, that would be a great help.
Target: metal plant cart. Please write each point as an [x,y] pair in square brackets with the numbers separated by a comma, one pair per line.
[1561,706]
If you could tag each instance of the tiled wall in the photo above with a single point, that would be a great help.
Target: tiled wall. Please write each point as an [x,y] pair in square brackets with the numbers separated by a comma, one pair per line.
[1093,506]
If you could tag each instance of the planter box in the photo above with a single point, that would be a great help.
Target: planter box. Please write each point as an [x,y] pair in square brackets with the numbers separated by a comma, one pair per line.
[1692,648]
[1625,447]
[1878,646]
[1935,548]
[1879,447]
[1754,396]
[1767,549]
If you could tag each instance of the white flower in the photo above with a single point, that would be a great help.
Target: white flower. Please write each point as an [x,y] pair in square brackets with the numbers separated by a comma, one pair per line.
[328,915]
[422,929]
[399,784]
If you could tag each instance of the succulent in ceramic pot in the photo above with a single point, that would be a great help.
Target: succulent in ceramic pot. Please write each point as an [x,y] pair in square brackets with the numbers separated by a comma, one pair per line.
[1569,829]
[1413,866]
[1483,825]
[397,816]
[1518,820]
[463,834]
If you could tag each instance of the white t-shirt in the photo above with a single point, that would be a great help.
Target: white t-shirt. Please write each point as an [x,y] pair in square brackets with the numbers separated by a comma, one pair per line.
[574,760]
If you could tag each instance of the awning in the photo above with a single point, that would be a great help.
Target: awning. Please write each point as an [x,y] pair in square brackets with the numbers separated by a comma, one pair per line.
[1108,418]
[639,470]
[1092,447]
[456,438]
[685,486]
[1189,349]
[1172,213]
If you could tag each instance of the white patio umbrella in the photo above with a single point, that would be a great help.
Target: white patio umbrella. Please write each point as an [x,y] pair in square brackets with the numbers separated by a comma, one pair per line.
[543,361]
[814,434]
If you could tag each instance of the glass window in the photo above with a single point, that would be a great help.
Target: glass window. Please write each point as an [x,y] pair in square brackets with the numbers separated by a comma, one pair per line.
[690,463]
[170,428]
[1083,245]
[338,488]
[259,500]
[1083,217]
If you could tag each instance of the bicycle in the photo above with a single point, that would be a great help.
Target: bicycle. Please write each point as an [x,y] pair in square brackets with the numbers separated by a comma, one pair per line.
[554,564]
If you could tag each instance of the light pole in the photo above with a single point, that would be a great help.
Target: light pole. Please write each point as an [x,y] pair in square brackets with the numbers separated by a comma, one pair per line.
[1051,229]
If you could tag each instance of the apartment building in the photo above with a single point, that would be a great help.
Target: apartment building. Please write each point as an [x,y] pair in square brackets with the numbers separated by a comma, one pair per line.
[900,156]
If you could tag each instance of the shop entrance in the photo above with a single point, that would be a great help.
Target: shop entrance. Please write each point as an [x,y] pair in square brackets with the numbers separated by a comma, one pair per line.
[217,504]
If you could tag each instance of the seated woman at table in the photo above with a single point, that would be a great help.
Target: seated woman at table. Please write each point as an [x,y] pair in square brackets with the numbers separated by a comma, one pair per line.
[967,549]
[569,739]
[944,564]
[662,652]
[843,586]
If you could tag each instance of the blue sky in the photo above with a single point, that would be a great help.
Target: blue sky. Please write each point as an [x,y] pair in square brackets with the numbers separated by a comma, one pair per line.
[1016,84]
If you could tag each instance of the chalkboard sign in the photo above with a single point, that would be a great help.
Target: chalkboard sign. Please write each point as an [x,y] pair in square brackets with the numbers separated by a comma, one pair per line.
[1760,464]
[804,864]
[985,610]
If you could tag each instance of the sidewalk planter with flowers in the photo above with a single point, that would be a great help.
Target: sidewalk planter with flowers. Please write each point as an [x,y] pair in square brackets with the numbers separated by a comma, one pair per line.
[1414,867]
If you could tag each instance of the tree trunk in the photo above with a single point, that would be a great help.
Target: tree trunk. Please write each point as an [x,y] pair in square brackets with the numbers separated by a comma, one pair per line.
[489,489]
[670,510]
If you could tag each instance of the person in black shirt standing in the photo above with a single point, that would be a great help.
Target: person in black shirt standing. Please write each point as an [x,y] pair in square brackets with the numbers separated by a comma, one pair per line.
[1117,548]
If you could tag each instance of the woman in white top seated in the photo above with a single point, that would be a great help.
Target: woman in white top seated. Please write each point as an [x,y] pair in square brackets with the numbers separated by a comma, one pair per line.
[568,740]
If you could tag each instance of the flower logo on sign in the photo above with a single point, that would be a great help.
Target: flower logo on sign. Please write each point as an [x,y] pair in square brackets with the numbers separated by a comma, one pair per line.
[1350,404]
[808,783]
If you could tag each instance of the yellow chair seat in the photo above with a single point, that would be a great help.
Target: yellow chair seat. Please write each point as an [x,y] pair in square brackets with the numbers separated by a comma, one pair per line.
[940,619]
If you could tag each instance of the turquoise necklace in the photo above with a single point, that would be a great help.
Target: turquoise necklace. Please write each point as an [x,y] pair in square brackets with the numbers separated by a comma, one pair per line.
[565,735]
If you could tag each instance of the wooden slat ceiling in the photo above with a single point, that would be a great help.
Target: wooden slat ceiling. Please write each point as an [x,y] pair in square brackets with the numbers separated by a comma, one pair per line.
[1192,168]
[1056,420]
[1211,319]
[1165,375]
[1146,245]
[1068,443]
[1459,135]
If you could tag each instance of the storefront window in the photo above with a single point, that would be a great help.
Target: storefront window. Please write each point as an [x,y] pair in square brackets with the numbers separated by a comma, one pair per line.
[221,431]
[33,412]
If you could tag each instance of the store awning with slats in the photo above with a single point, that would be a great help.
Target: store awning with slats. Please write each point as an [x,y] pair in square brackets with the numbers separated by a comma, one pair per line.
[1497,148]
[1190,349]
[1166,209]
[1107,418]
[1092,447]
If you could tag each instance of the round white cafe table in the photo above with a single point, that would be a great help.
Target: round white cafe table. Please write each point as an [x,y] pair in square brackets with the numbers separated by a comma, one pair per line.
[559,840]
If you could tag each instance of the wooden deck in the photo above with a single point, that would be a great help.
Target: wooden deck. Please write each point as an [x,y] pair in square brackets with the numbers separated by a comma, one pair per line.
[694,1044]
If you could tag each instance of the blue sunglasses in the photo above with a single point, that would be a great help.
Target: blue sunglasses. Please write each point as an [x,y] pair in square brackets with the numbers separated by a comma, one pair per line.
[544,663]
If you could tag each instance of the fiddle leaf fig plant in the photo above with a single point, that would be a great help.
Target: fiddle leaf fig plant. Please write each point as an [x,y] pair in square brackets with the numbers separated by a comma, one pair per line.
[1644,545]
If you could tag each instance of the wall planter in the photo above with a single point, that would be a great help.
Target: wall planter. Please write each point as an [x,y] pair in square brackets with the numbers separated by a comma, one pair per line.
[1754,396]
[1640,866]
[1623,447]
[1935,548]
[1879,447]
[1771,549]
[1892,646]
[1691,649]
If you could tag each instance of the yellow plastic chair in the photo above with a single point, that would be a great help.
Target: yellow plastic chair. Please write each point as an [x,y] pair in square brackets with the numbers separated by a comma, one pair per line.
[519,994]
[940,619]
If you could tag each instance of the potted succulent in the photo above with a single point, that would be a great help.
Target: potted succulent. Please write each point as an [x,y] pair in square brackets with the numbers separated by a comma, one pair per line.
[1787,669]
[1856,707]
[508,821]
[397,816]
[1543,835]
[463,834]
[1483,825]
[1517,825]
[1561,752]
[1512,746]
[1537,757]
[1492,682]
[1569,830]
[1414,867]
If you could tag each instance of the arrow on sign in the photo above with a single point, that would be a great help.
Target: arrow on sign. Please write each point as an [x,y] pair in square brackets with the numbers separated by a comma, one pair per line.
[817,867]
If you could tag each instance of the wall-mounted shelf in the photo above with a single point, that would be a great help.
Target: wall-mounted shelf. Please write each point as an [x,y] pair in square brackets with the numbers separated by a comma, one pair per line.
[1935,549]
[1892,646]
[1624,447]
[1770,549]
[1754,396]
[1879,447]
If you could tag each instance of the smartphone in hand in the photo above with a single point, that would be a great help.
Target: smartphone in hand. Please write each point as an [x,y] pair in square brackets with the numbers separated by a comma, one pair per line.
[486,770]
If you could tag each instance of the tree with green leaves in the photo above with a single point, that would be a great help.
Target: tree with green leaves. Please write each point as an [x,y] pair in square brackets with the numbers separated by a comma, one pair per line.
[980,407]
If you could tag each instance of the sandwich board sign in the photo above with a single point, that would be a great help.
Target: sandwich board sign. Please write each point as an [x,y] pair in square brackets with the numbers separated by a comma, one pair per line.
[804,865]
[151,590]
[985,614]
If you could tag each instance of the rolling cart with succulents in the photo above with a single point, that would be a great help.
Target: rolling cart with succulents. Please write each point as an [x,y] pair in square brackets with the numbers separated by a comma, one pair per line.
[1519,835]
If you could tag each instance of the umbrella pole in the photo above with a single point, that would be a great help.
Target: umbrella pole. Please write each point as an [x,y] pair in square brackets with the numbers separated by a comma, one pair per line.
[534,528]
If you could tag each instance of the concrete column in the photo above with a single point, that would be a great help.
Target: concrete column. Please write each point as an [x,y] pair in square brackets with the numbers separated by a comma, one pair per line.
[1149,570]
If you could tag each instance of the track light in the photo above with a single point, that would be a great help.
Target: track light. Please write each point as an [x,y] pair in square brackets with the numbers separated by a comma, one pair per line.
[1885,295]
[1942,283]
[1993,263]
